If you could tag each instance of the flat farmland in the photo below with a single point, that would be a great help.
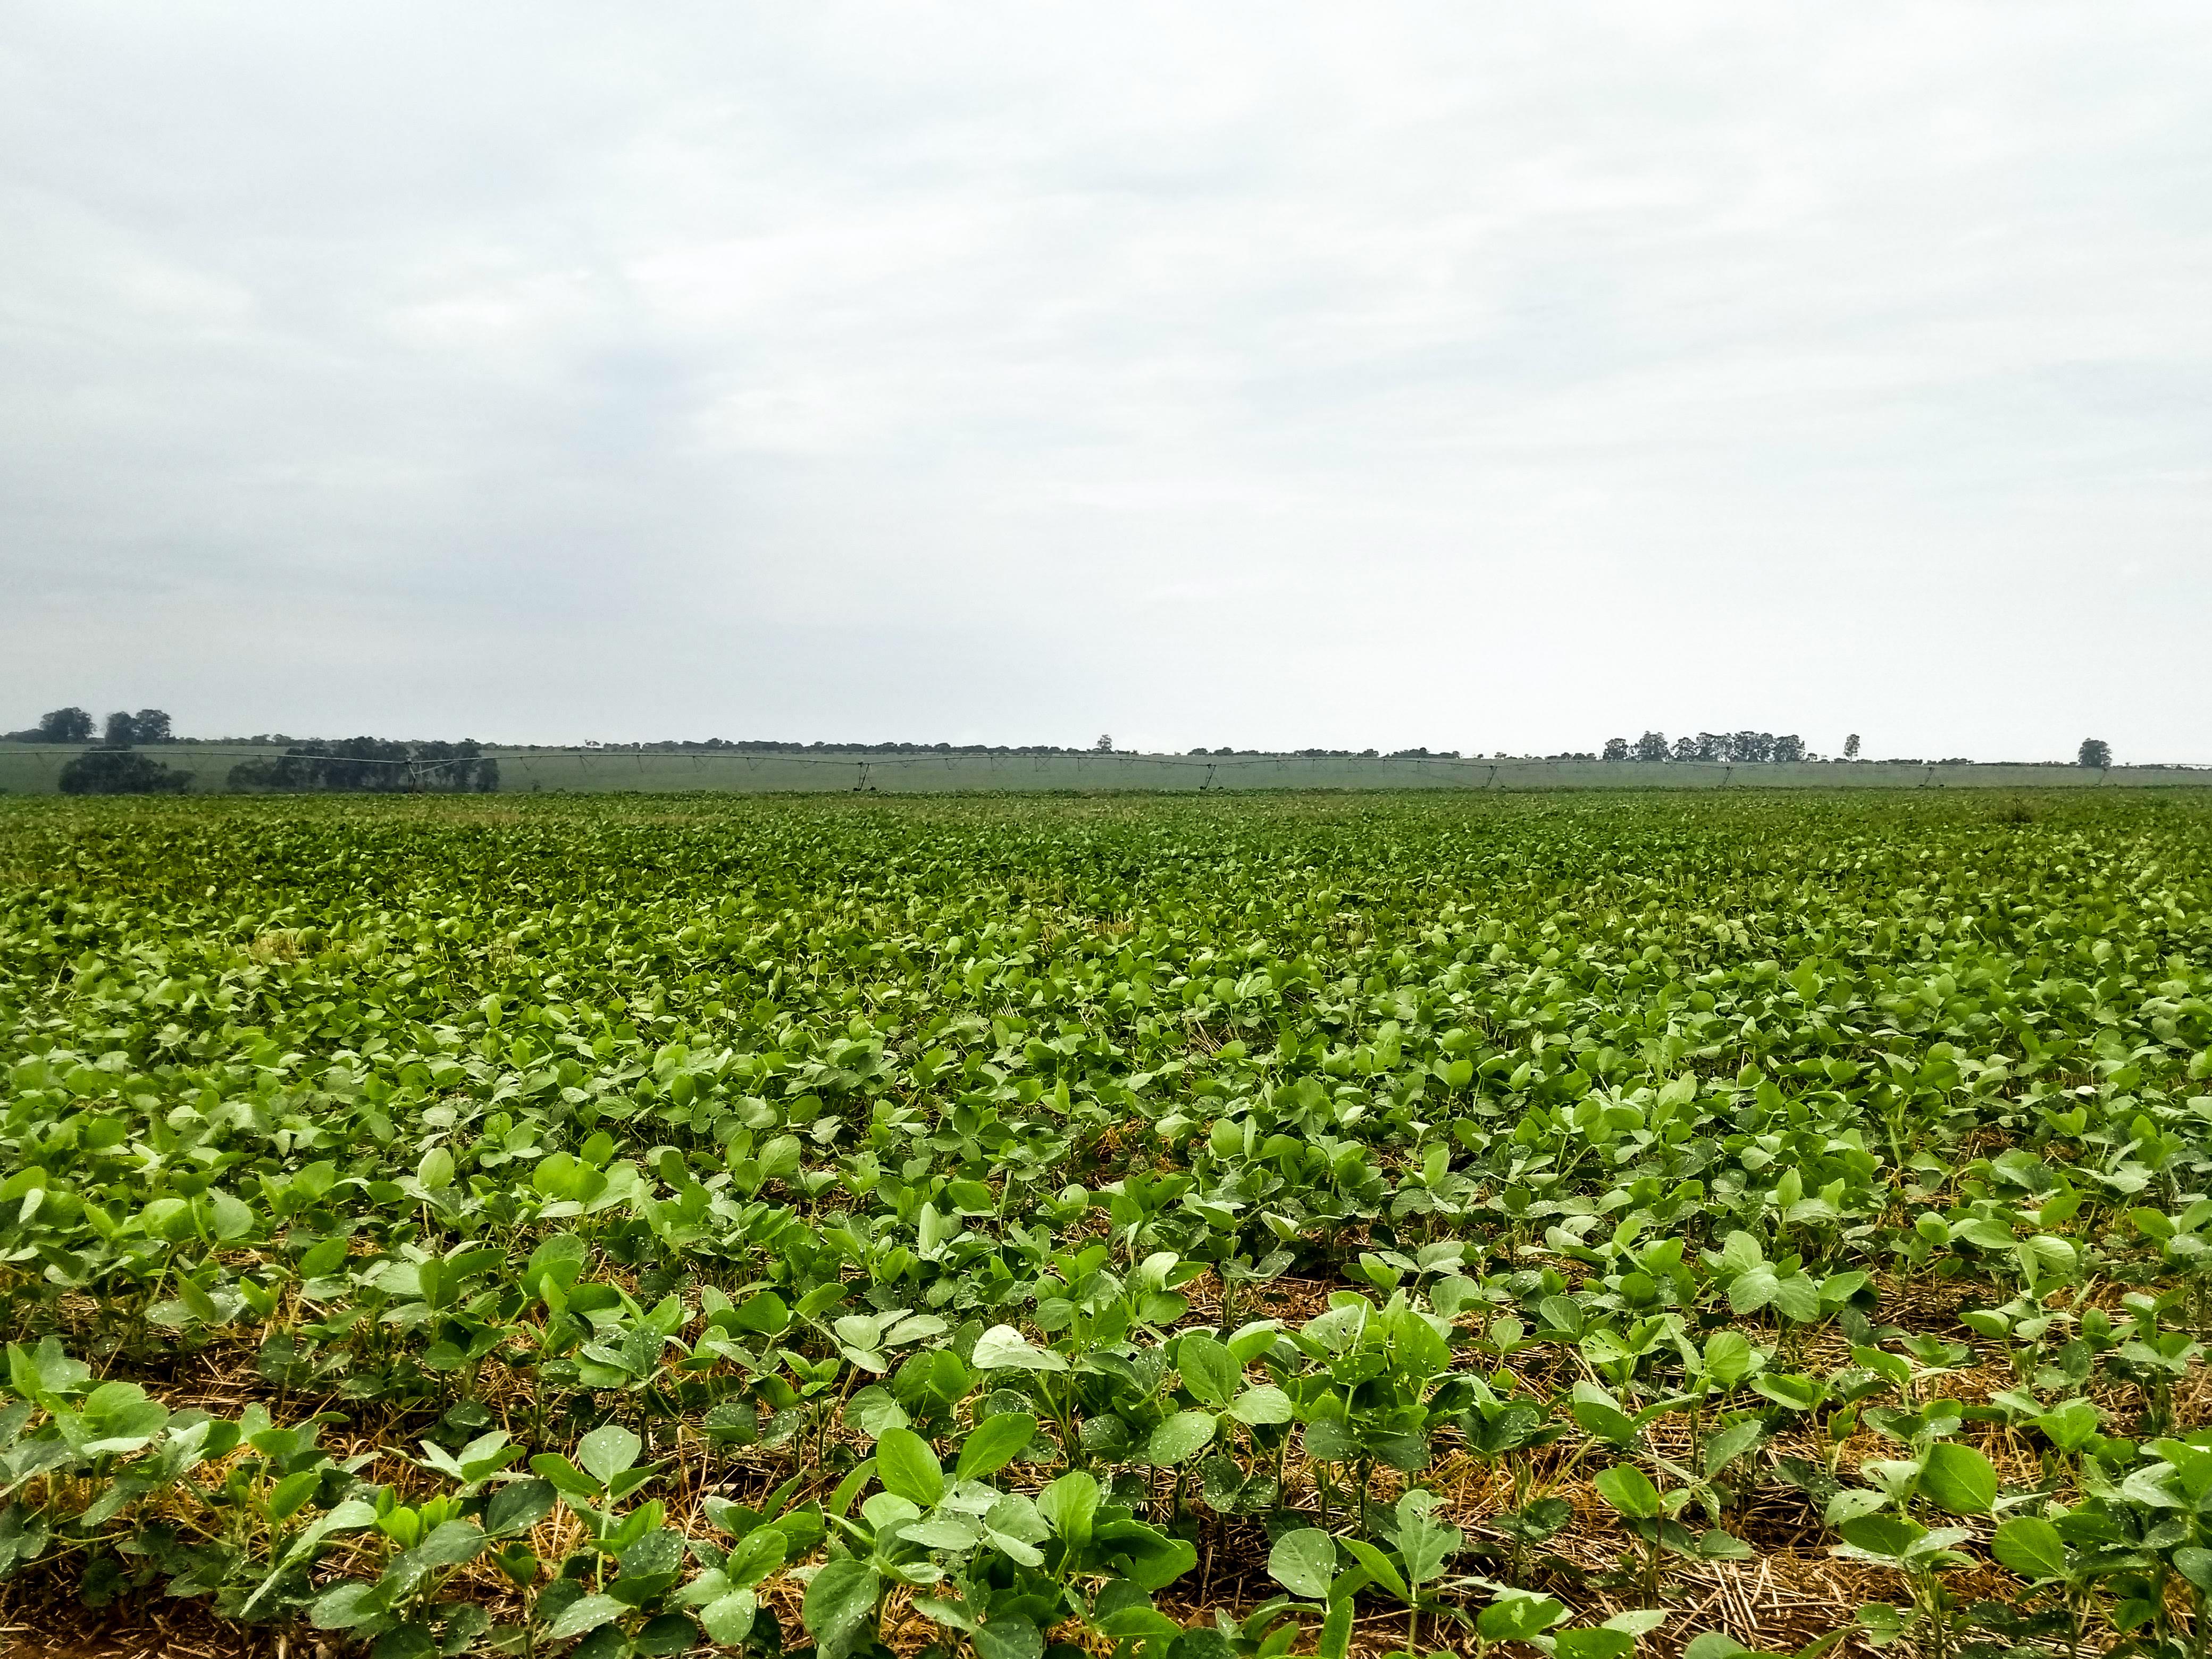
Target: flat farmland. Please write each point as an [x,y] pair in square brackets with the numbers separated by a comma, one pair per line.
[35,769]
[1589,1224]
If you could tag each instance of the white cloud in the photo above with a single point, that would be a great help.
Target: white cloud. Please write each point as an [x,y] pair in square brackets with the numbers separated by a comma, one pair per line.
[1259,374]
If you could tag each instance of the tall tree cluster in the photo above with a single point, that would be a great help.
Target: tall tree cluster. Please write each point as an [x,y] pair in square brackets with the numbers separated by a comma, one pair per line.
[115,766]
[1739,747]
[146,725]
[74,725]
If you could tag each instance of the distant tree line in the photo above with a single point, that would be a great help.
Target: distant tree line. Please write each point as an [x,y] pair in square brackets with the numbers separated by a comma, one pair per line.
[1101,745]
[771,746]
[379,766]
[1743,748]
[372,766]
[1330,753]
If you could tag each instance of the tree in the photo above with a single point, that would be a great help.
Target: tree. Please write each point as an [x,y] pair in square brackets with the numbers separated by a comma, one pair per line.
[64,725]
[1616,749]
[2094,751]
[374,766]
[122,731]
[152,725]
[121,771]
[1852,747]
[1104,745]
[1652,746]
[1791,748]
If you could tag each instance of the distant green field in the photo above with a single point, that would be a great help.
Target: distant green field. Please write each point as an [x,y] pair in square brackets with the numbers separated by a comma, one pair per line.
[35,768]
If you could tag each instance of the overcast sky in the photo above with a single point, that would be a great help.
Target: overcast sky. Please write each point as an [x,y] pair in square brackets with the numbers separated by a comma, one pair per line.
[1475,376]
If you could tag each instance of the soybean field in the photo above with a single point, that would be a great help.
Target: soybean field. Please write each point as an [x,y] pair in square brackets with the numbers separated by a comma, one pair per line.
[1585,1224]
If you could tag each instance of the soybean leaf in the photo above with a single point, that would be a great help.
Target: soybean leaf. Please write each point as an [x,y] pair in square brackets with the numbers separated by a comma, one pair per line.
[993,1443]
[587,1613]
[1517,1616]
[1630,1491]
[1182,1437]
[1379,1567]
[1593,1642]
[2031,1546]
[607,1451]
[1888,1537]
[840,1599]
[1262,1406]
[906,1467]
[518,1506]
[1303,1562]
[728,1620]
[1008,1636]
[1002,1347]
[1732,1442]
[1959,1479]
[1069,1506]
[1209,1371]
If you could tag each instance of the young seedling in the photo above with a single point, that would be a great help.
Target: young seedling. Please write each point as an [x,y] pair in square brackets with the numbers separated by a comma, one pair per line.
[1412,1570]
[1922,1556]
[1649,1515]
